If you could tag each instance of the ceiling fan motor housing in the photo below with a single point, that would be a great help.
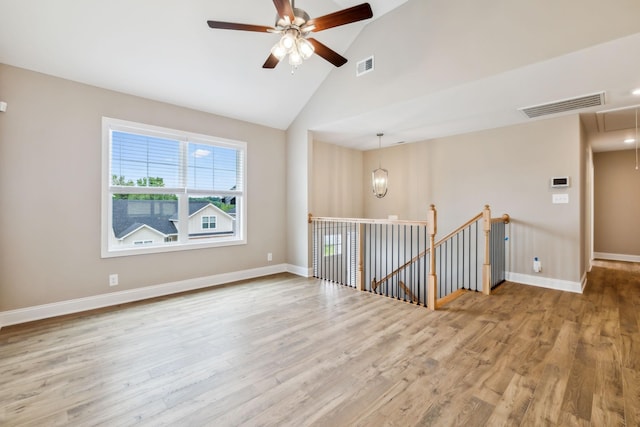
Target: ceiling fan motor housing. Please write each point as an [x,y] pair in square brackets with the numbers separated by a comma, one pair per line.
[300,18]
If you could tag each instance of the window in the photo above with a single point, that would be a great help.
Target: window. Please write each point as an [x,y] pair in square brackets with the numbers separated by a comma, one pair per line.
[332,244]
[208,222]
[167,190]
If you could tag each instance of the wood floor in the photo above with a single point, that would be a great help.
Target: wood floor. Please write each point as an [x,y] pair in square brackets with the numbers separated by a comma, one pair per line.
[290,351]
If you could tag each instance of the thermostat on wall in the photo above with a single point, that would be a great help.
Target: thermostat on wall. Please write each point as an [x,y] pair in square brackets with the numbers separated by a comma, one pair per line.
[559,181]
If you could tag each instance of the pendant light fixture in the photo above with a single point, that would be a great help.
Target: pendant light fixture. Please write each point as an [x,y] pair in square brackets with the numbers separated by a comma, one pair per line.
[380,177]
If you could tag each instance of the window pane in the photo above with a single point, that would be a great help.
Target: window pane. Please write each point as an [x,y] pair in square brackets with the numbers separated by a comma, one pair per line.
[225,179]
[144,161]
[212,168]
[147,218]
[212,217]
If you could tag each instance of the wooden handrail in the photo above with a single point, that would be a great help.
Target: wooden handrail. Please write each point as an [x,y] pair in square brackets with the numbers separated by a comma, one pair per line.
[403,266]
[426,251]
[366,220]
[431,299]
[311,219]
[459,229]
[504,218]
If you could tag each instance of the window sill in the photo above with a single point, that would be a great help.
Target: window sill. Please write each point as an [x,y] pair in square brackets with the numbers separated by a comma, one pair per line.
[113,253]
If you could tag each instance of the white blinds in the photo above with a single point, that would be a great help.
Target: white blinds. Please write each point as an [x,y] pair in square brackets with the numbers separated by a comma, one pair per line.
[181,164]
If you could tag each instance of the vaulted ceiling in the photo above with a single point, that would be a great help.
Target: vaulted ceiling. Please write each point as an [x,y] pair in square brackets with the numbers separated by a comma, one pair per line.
[163,50]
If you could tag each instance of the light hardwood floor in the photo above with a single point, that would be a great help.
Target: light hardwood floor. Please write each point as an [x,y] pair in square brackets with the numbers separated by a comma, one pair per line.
[290,351]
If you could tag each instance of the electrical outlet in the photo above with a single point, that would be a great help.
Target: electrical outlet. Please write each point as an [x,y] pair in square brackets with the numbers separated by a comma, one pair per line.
[113,280]
[537,266]
[269,256]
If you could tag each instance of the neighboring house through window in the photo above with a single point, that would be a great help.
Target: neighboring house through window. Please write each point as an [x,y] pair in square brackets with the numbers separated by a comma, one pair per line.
[143,242]
[166,190]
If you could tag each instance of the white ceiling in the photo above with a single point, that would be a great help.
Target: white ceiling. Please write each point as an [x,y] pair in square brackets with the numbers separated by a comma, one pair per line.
[163,50]
[495,101]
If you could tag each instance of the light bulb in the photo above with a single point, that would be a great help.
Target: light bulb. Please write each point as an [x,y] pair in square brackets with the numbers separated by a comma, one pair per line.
[278,51]
[305,48]
[288,40]
[294,58]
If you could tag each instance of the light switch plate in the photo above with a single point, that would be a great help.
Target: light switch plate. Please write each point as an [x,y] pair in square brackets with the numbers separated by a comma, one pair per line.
[560,198]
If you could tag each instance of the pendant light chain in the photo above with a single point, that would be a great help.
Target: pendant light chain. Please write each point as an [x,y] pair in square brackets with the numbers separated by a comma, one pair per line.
[380,149]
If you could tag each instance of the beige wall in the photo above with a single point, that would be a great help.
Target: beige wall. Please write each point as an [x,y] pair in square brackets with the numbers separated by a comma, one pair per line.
[336,181]
[411,182]
[299,158]
[586,206]
[50,166]
[616,203]
[448,59]
[507,168]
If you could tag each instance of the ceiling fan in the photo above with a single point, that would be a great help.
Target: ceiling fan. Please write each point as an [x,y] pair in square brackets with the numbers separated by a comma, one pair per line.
[295,25]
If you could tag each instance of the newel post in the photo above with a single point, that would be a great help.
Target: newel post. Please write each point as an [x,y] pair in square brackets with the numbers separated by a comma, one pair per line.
[432,228]
[486,268]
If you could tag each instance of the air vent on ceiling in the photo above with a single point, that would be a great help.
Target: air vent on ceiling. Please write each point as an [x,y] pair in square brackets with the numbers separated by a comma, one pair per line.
[564,105]
[364,66]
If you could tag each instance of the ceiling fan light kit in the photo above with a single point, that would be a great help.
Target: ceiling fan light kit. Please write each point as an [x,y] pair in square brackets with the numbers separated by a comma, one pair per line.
[295,25]
[305,48]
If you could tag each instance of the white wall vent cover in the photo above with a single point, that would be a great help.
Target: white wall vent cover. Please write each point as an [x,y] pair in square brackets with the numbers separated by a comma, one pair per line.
[585,101]
[365,66]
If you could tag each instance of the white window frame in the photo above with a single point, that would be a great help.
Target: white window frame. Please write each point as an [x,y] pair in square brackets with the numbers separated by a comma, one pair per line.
[240,238]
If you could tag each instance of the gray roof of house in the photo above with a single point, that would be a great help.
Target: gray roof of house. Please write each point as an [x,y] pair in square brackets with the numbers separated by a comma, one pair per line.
[129,215]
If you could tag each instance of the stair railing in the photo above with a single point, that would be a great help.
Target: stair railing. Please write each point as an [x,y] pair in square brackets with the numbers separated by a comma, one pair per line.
[354,251]
[465,263]
[411,265]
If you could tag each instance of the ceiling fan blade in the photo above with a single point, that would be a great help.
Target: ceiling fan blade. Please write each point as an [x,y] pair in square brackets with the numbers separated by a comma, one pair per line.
[330,55]
[233,26]
[341,17]
[284,9]
[271,62]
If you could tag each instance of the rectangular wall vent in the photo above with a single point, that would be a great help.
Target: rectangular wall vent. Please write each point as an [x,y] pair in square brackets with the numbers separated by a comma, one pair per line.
[585,101]
[365,66]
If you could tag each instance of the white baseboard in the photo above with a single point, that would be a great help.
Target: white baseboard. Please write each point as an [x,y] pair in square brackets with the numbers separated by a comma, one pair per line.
[616,257]
[28,314]
[547,282]
[299,271]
